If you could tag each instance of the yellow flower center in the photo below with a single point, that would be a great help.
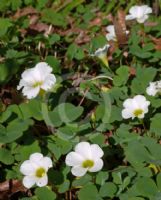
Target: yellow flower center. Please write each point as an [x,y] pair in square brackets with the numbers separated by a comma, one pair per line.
[87,164]
[40,172]
[138,112]
[36,84]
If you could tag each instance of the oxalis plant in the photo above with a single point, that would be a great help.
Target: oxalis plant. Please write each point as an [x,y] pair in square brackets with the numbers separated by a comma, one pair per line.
[80,100]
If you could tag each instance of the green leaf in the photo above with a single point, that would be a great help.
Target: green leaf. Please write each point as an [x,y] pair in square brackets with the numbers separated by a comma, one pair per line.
[27,149]
[82,181]
[67,132]
[115,114]
[14,130]
[135,158]
[4,5]
[16,4]
[117,178]
[58,146]
[5,115]
[136,198]
[159,181]
[74,51]
[123,135]
[71,5]
[54,63]
[103,110]
[52,146]
[64,186]
[52,17]
[68,112]
[98,42]
[155,126]
[122,76]
[6,70]
[107,107]
[101,178]
[108,190]
[4,73]
[145,171]
[89,192]
[146,187]
[45,193]
[97,138]
[55,118]
[150,143]
[41,4]
[31,109]
[13,54]
[5,24]
[139,84]
[63,113]
[6,156]
[54,38]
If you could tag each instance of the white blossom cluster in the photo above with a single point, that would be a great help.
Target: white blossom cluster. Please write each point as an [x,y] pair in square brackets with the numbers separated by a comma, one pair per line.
[138,13]
[86,157]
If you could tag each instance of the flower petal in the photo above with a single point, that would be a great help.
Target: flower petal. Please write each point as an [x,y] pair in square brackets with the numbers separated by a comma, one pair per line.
[42,181]
[27,168]
[129,17]
[22,83]
[42,70]
[48,82]
[84,149]
[45,162]
[111,35]
[28,181]
[140,13]
[146,9]
[27,76]
[139,99]
[111,29]
[134,10]
[151,90]
[36,157]
[126,113]
[142,19]
[30,92]
[127,103]
[98,164]
[96,151]
[79,171]
[73,159]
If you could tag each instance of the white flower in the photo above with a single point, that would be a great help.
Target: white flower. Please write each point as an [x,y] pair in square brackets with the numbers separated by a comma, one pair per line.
[154,88]
[36,79]
[140,13]
[111,35]
[86,157]
[135,107]
[101,53]
[35,170]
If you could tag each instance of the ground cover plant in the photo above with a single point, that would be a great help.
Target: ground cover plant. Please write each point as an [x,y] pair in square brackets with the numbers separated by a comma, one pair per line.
[80,100]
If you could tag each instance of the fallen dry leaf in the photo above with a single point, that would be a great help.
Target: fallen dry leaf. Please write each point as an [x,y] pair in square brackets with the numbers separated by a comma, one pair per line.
[25,12]
[157,43]
[10,187]
[120,28]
